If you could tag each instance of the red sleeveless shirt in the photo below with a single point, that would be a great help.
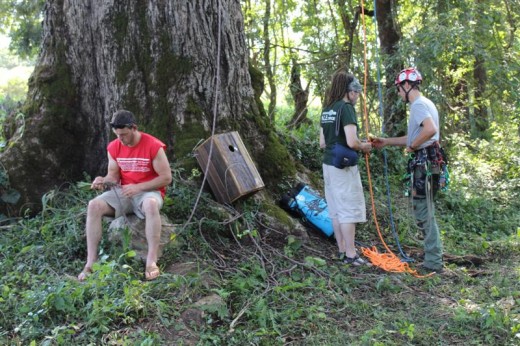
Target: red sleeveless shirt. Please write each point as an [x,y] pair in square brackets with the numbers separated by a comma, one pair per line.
[135,163]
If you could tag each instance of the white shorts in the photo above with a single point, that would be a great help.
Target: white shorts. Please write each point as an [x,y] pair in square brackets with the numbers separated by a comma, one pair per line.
[344,194]
[124,205]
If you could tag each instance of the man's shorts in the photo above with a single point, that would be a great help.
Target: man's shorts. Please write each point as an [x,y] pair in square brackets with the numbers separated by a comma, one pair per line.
[344,194]
[125,205]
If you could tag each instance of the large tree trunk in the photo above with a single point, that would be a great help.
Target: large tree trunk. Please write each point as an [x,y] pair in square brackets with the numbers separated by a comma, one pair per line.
[158,59]
[389,37]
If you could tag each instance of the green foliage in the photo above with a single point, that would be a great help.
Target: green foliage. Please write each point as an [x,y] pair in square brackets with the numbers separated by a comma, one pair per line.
[302,143]
[466,51]
[22,21]
[13,90]
[40,301]
[272,287]
[468,58]
[486,177]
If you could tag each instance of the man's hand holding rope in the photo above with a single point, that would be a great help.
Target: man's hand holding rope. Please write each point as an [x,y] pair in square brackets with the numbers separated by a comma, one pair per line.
[100,183]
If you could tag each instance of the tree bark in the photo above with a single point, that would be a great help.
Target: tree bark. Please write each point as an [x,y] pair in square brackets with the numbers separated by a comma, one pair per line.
[175,64]
[389,38]
[268,66]
[300,96]
[481,119]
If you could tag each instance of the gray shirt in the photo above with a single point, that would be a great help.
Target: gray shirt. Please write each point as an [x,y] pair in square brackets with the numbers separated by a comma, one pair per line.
[421,109]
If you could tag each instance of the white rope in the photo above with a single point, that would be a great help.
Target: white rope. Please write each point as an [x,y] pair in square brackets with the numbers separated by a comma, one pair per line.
[215,106]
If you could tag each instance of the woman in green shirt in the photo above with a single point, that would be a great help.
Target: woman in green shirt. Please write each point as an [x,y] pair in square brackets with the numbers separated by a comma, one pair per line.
[343,189]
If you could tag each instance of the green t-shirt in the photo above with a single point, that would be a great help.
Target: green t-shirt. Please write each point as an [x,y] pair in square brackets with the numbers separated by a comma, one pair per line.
[347,115]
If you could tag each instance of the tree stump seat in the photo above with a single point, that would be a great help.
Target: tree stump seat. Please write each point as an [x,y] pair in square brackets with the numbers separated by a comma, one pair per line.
[134,228]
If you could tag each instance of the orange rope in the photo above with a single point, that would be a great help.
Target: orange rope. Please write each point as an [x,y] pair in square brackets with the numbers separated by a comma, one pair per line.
[386,261]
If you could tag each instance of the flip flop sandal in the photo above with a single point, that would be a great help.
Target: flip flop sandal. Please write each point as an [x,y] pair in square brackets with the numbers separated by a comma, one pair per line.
[151,273]
[356,261]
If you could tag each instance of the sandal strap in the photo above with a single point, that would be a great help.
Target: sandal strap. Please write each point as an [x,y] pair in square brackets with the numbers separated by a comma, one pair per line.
[352,260]
[360,260]
[356,261]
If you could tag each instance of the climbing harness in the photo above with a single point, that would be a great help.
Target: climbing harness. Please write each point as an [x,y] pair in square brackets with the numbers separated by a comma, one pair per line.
[431,163]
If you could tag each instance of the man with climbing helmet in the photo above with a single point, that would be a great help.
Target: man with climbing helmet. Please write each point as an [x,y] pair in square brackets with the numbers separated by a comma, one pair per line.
[426,162]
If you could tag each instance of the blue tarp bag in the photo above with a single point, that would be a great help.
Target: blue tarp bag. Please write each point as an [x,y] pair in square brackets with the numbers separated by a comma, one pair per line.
[308,204]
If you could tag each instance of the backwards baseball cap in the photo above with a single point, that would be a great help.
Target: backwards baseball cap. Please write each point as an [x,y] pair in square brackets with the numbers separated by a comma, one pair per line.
[355,86]
[122,119]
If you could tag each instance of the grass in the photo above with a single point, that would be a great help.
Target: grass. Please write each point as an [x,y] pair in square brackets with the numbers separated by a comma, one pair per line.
[265,297]
[230,278]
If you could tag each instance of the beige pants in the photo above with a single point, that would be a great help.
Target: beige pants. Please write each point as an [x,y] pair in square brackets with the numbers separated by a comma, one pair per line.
[124,205]
[344,194]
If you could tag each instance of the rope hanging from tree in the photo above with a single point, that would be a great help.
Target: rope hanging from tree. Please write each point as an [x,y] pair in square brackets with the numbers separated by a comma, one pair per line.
[215,110]
[386,261]
[404,256]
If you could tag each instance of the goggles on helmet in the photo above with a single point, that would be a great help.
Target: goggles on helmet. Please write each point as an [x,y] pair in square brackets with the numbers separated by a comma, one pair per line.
[410,74]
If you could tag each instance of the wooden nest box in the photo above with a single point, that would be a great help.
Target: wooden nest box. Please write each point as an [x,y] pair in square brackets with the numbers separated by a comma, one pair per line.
[231,173]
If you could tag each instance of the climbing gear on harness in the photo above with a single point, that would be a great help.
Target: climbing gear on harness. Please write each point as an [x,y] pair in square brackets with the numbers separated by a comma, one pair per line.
[428,163]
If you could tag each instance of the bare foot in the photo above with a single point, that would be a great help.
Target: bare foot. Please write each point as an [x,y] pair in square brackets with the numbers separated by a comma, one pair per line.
[84,273]
[152,272]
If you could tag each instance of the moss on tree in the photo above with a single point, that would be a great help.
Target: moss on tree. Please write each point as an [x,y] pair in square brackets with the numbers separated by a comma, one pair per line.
[62,130]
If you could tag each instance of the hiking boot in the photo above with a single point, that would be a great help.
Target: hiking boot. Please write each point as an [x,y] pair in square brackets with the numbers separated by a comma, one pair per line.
[424,270]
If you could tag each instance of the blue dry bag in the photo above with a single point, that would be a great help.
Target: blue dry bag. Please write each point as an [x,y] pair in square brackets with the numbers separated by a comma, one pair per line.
[308,204]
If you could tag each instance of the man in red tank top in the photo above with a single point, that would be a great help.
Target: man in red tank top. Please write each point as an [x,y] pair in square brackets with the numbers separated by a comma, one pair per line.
[138,173]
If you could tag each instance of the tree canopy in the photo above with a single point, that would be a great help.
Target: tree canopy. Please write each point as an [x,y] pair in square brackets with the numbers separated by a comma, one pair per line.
[21,20]
[467,51]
